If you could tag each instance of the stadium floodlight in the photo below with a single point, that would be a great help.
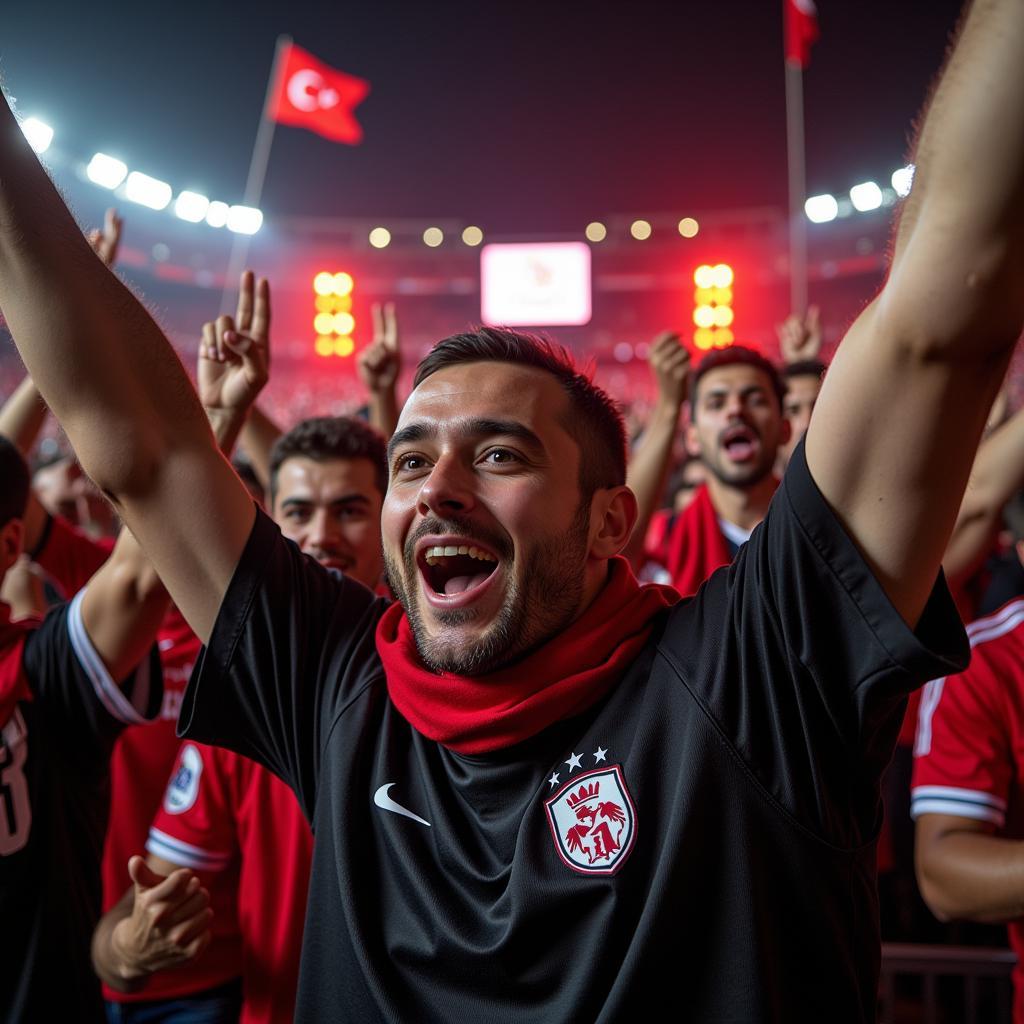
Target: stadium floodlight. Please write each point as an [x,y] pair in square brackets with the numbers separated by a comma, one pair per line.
[244,220]
[146,191]
[217,214]
[191,206]
[821,209]
[596,231]
[106,171]
[433,237]
[472,235]
[866,196]
[38,133]
[688,227]
[640,230]
[902,180]
[380,238]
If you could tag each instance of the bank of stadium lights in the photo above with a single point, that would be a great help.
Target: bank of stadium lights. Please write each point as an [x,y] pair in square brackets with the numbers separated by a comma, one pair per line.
[596,231]
[863,198]
[472,235]
[688,227]
[712,306]
[111,173]
[333,322]
[380,238]
[433,237]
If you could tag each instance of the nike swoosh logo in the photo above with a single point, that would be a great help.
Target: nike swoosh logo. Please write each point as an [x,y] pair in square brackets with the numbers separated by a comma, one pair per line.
[385,803]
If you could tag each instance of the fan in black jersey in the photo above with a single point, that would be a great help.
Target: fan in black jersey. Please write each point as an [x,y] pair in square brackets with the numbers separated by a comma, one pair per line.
[446,747]
[68,685]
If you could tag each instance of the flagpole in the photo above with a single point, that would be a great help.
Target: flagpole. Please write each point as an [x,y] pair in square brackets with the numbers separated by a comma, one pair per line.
[797,188]
[257,175]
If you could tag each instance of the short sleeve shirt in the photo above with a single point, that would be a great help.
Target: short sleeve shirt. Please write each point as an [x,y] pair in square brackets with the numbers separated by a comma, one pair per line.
[54,799]
[703,838]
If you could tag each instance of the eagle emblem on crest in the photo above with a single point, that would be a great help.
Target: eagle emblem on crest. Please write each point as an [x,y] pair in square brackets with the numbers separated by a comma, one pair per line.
[593,821]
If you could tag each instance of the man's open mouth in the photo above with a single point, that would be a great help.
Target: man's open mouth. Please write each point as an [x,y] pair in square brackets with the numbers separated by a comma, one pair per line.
[453,569]
[740,443]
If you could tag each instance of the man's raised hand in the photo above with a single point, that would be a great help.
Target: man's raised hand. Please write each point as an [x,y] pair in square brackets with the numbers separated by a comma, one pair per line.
[105,240]
[234,354]
[169,924]
[381,361]
[669,360]
[800,338]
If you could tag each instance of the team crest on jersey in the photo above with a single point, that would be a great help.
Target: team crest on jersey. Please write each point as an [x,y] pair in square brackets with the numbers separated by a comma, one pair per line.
[593,821]
[184,786]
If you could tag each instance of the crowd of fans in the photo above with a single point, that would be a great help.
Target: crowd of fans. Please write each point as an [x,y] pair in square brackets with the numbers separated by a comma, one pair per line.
[766,671]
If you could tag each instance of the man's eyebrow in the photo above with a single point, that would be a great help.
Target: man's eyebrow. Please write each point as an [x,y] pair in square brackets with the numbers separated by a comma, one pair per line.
[480,427]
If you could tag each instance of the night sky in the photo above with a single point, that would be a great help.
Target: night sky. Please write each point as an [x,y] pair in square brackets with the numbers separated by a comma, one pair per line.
[519,117]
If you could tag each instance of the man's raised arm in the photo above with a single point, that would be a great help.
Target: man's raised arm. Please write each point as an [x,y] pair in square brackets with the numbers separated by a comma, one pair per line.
[901,412]
[118,388]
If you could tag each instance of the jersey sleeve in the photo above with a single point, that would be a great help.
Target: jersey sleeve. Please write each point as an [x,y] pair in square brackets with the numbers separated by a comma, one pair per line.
[292,645]
[963,752]
[195,825]
[85,705]
[799,656]
[68,556]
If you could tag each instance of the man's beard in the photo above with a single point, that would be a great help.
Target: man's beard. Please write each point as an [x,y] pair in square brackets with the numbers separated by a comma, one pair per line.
[740,476]
[537,606]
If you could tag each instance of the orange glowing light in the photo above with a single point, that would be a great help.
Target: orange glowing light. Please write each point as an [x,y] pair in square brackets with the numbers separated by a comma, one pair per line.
[704,316]
[723,316]
[722,275]
[323,323]
[723,338]
[703,296]
[324,346]
[344,347]
[704,338]
[704,276]
[343,284]
[323,283]
[344,323]
[721,296]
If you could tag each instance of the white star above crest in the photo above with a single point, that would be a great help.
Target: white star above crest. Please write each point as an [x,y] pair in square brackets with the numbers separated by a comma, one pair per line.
[574,761]
[553,781]
[599,754]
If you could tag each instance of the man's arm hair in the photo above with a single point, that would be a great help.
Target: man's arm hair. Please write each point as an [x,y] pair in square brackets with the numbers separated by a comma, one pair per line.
[965,871]
[115,383]
[902,409]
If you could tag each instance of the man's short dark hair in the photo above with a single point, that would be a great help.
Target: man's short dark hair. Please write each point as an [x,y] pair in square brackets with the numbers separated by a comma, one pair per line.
[593,420]
[738,355]
[323,438]
[14,474]
[804,368]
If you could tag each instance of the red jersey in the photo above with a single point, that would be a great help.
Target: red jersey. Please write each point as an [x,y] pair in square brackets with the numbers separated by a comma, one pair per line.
[223,812]
[68,556]
[969,747]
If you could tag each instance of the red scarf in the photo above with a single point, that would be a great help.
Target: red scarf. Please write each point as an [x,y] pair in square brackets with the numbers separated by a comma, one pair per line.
[13,683]
[562,678]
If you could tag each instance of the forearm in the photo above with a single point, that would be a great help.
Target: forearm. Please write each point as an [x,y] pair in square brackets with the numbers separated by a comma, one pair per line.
[258,436]
[974,876]
[227,425]
[108,958]
[969,185]
[97,357]
[384,410]
[124,604]
[22,416]
[648,470]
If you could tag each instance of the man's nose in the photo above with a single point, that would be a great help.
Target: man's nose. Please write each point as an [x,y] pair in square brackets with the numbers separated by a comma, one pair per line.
[449,488]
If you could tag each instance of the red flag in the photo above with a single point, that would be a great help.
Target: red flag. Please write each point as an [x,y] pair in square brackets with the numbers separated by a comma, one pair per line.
[309,94]
[801,31]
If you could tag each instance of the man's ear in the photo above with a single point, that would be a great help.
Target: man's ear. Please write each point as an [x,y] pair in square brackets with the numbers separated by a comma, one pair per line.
[613,514]
[12,536]
[785,430]
[692,441]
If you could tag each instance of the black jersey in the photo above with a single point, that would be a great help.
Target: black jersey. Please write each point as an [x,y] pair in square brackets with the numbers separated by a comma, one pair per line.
[54,797]
[703,838]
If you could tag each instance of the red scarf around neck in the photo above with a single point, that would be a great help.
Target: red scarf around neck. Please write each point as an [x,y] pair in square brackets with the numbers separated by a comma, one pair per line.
[562,678]
[13,683]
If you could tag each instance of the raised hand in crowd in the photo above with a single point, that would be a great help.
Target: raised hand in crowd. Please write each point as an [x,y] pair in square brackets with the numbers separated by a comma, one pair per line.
[379,366]
[162,921]
[801,337]
[106,241]
[22,589]
[234,360]
[649,464]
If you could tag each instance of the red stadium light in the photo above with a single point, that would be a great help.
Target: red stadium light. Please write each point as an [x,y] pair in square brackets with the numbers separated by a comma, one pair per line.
[713,314]
[333,321]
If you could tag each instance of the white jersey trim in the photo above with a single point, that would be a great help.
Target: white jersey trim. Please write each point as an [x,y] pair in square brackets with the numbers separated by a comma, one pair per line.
[930,697]
[111,696]
[962,803]
[177,851]
[1003,621]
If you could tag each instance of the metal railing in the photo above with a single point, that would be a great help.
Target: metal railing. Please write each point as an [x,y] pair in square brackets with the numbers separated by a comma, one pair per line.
[965,984]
